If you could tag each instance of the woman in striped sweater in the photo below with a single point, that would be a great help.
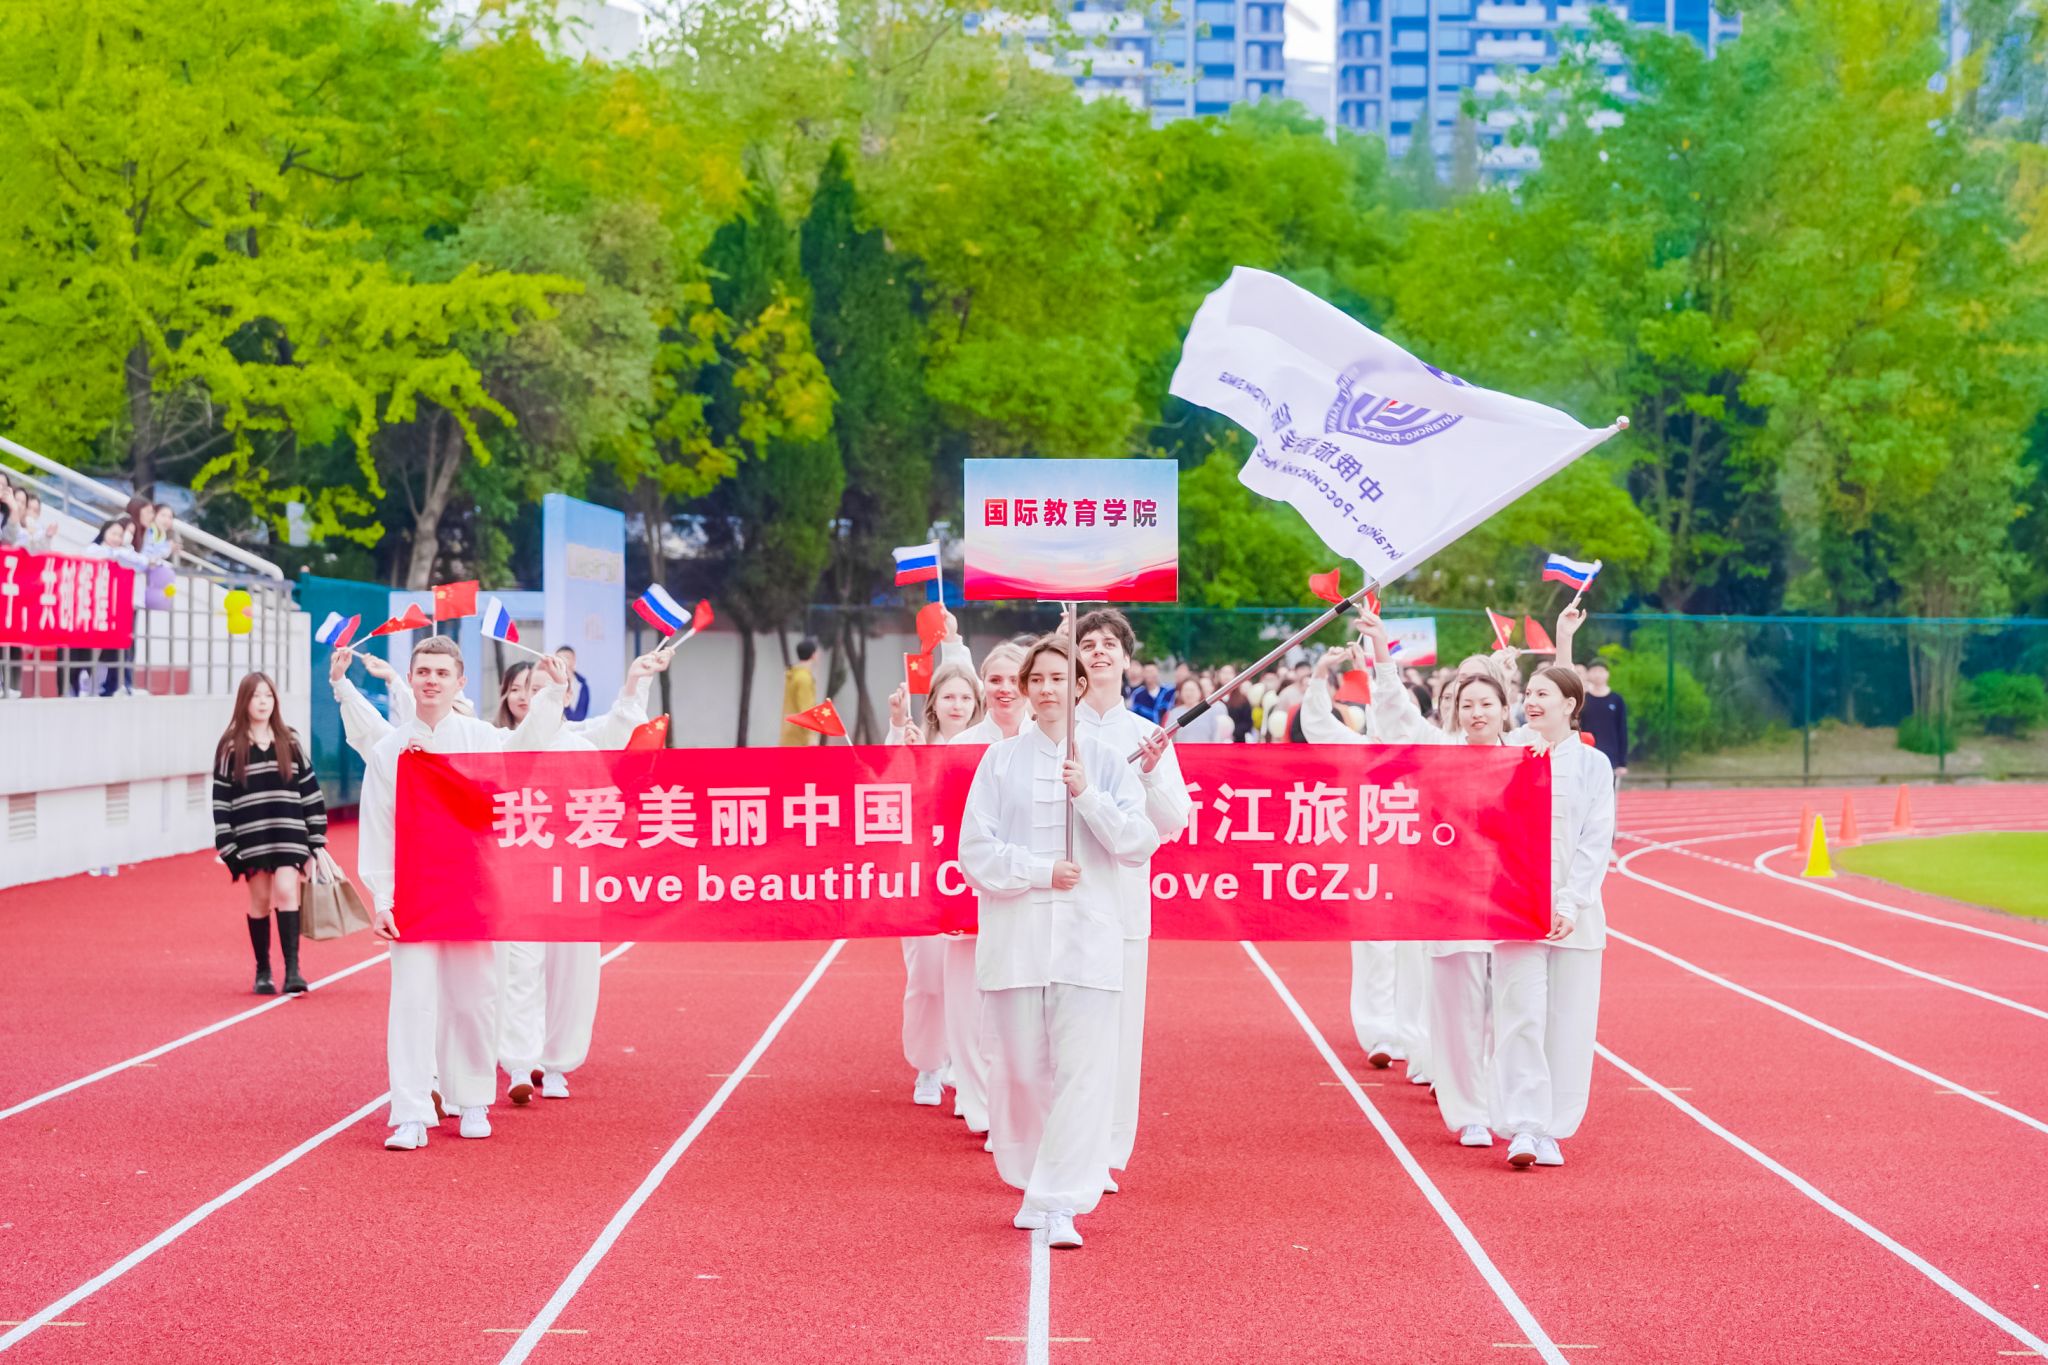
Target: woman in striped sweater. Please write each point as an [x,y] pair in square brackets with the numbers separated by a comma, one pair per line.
[268,818]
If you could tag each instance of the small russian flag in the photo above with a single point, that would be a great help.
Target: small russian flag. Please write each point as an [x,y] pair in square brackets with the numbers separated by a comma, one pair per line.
[497,622]
[336,630]
[661,611]
[1570,572]
[916,563]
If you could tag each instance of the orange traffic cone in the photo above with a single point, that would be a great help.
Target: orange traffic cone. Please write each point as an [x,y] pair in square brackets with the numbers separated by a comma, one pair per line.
[1902,814]
[1817,861]
[1850,833]
[1806,827]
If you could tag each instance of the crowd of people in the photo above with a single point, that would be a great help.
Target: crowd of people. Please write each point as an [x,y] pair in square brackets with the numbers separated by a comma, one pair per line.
[1036,1021]
[142,539]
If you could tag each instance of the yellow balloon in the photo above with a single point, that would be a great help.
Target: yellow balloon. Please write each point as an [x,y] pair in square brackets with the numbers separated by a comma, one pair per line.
[236,605]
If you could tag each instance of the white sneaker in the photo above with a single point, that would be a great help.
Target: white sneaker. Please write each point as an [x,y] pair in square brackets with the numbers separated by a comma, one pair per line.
[930,1090]
[554,1086]
[1548,1153]
[476,1121]
[1475,1135]
[1109,1185]
[988,1144]
[1521,1151]
[1381,1055]
[406,1137]
[1030,1220]
[1418,1078]
[1059,1230]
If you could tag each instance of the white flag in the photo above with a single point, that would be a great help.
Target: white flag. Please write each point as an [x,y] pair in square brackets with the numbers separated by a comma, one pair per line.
[1388,458]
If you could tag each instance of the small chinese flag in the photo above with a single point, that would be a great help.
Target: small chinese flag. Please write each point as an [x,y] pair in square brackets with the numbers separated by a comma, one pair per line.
[824,718]
[414,619]
[453,601]
[652,735]
[931,626]
[917,673]
[1503,628]
[701,618]
[1372,601]
[1539,639]
[1355,686]
[1324,585]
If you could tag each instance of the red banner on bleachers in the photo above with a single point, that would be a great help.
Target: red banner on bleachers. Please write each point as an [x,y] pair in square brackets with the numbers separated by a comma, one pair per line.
[1287,842]
[65,602]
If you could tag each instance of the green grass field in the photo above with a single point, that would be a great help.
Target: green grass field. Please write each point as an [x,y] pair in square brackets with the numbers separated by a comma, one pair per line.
[2003,871]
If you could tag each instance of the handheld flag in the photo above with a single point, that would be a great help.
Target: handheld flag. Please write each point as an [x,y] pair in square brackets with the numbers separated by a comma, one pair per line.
[652,735]
[497,622]
[1387,458]
[916,563]
[823,718]
[335,631]
[659,610]
[1538,638]
[1355,686]
[1503,628]
[1372,601]
[917,674]
[414,619]
[1573,573]
[453,601]
[701,616]
[1324,585]
[931,625]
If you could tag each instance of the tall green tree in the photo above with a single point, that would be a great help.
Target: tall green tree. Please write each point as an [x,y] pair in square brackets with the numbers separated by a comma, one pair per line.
[866,323]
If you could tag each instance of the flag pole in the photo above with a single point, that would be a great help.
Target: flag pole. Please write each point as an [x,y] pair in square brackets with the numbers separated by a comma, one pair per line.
[1073,701]
[1200,708]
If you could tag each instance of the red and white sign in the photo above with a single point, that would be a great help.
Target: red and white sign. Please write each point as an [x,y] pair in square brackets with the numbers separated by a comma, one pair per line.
[64,602]
[1306,842]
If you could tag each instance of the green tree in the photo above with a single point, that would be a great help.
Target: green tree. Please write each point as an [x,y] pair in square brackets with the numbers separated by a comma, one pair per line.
[866,324]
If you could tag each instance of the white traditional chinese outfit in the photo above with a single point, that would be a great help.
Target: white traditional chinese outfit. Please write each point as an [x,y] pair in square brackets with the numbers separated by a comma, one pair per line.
[1121,730]
[443,1018]
[1051,963]
[1456,975]
[547,992]
[1389,981]
[1546,996]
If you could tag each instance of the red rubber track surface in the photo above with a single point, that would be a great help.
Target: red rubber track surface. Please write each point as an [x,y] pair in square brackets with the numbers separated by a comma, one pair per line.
[821,1216]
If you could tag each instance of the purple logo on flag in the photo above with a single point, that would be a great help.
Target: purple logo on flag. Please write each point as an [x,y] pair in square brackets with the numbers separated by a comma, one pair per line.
[1387,421]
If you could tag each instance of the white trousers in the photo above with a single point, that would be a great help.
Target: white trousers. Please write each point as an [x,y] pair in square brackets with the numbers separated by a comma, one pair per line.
[924,1002]
[1389,984]
[965,1051]
[443,1022]
[1546,1001]
[1052,1089]
[1130,1053]
[547,1006]
[1458,991]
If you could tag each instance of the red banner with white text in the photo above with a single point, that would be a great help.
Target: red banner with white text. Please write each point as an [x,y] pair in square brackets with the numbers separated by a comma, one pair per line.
[63,601]
[1286,842]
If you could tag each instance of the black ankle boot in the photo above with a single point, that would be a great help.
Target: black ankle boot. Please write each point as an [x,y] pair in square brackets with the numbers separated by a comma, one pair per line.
[288,939]
[259,939]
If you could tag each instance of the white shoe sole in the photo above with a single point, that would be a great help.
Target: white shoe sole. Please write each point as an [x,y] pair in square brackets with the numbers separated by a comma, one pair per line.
[1028,1222]
[1069,1242]
[1486,1141]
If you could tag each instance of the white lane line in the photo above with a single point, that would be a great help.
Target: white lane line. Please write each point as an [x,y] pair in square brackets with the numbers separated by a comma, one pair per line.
[145,1058]
[1625,870]
[199,1215]
[1510,1300]
[184,1225]
[1839,894]
[1941,1082]
[545,1319]
[1806,1187]
[1038,1316]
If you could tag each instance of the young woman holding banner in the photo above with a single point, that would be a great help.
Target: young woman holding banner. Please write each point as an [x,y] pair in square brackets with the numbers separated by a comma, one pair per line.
[937,1027]
[1455,974]
[1546,995]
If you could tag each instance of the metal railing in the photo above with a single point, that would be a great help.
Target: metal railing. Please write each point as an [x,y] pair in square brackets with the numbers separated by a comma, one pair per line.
[182,647]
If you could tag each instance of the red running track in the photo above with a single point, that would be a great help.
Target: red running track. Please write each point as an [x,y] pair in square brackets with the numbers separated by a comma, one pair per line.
[818,1215]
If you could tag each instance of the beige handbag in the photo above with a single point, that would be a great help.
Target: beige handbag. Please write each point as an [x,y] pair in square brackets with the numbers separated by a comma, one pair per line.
[333,908]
